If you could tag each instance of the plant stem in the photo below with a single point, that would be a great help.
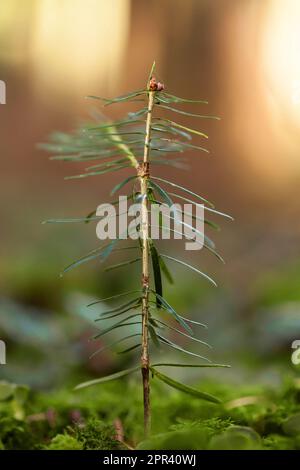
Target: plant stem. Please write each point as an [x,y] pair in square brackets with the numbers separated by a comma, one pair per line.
[144,177]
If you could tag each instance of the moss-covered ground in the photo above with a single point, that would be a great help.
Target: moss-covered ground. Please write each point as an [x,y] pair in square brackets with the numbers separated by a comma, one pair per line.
[110,417]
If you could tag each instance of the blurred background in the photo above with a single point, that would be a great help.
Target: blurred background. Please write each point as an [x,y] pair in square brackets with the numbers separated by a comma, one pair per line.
[244,58]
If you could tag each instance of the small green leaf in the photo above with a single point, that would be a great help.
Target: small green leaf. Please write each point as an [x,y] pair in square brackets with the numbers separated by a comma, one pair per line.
[97,173]
[119,324]
[114,343]
[190,267]
[173,163]
[177,99]
[89,216]
[184,388]
[121,312]
[193,322]
[113,297]
[123,183]
[140,112]
[166,270]
[108,378]
[167,364]
[107,249]
[184,144]
[121,265]
[131,348]
[167,129]
[179,348]
[185,190]
[185,113]
[164,195]
[118,133]
[207,222]
[103,252]
[71,220]
[108,164]
[120,307]
[118,99]
[156,272]
[172,311]
[208,244]
[182,333]
[84,259]
[188,129]
[123,122]
[209,209]
[87,156]
[153,336]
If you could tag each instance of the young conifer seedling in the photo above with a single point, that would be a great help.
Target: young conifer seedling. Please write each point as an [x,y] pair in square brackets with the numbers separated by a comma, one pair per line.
[143,139]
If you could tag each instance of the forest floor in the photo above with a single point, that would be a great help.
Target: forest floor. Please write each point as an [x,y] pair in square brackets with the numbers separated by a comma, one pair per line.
[109,416]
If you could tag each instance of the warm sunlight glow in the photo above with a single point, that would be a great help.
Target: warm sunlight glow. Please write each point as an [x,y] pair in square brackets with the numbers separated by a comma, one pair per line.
[281,50]
[78,44]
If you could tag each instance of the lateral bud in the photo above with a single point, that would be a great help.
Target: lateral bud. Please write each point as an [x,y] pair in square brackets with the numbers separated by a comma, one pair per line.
[143,170]
[145,281]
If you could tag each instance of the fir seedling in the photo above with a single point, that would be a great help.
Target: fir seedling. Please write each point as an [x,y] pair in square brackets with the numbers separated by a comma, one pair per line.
[142,139]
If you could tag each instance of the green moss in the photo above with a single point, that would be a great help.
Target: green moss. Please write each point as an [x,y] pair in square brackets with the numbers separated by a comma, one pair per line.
[96,435]
[92,435]
[187,439]
[210,426]
[16,435]
[64,442]
[277,442]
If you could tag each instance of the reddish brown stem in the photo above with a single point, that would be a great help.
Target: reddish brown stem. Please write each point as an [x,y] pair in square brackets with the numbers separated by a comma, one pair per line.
[143,173]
